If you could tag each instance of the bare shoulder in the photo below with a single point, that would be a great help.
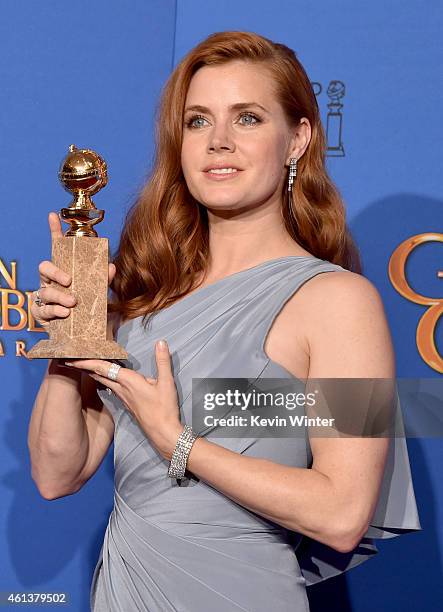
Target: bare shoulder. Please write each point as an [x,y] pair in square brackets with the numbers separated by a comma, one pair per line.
[339,297]
[334,325]
[341,292]
[346,327]
[313,311]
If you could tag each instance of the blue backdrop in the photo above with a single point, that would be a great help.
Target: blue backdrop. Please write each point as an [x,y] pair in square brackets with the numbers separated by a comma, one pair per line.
[91,74]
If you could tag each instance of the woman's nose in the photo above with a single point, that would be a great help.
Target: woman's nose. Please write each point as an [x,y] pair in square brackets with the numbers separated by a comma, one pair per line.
[220,138]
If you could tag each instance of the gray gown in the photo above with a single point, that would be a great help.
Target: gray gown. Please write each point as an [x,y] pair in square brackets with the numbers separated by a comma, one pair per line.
[189,548]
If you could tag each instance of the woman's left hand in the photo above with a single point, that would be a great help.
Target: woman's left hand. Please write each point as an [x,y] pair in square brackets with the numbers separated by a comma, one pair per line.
[153,402]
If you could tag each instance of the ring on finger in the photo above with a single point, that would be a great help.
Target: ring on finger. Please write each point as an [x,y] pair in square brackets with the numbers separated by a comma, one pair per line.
[38,300]
[113,371]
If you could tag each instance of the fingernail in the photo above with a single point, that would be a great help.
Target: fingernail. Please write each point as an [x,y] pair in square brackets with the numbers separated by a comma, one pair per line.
[162,344]
[69,363]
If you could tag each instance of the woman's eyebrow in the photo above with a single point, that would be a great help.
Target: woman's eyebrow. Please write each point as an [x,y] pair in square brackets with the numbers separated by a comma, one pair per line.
[238,106]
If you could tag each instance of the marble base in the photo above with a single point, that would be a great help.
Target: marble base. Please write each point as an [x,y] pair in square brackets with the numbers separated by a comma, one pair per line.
[82,335]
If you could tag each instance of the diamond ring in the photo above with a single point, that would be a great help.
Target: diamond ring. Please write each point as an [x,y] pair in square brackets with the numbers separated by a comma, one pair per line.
[113,371]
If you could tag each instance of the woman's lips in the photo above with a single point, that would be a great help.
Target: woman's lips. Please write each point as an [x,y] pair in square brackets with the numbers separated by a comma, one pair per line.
[222,177]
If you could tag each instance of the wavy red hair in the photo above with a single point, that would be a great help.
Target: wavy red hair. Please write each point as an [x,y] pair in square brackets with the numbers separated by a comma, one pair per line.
[164,245]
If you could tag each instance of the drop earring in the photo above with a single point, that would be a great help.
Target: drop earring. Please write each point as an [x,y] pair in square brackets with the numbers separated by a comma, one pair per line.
[292,172]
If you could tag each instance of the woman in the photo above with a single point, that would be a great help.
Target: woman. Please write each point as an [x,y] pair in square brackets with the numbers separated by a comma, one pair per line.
[237,253]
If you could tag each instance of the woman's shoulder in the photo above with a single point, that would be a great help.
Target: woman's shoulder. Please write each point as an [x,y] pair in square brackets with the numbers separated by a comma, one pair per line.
[333,300]
[340,288]
[343,314]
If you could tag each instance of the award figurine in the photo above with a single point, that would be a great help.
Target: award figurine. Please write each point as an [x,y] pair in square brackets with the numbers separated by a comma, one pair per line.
[83,255]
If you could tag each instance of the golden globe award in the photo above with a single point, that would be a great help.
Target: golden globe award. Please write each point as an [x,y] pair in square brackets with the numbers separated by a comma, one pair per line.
[85,256]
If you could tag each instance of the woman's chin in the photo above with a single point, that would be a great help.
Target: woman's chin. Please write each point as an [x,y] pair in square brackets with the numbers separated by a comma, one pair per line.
[220,199]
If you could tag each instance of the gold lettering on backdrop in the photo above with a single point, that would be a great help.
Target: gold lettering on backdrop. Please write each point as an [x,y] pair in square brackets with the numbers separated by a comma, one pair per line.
[2,350]
[425,336]
[13,300]
[7,307]
[20,349]
[11,279]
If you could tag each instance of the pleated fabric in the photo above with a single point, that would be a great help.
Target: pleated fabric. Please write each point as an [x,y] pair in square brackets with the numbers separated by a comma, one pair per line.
[188,547]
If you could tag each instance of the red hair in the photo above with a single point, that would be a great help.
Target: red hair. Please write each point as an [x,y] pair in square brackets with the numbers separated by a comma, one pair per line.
[164,243]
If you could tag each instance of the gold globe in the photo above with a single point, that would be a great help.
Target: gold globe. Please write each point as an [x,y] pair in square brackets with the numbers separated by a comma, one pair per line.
[83,173]
[83,170]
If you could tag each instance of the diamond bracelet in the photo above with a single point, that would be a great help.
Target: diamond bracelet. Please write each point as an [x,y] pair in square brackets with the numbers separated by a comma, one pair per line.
[177,466]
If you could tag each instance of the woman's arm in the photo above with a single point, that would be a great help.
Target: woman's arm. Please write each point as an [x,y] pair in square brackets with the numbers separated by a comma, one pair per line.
[334,501]
[70,430]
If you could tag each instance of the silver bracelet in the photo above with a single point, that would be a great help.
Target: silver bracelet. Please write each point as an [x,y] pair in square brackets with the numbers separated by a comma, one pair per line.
[177,466]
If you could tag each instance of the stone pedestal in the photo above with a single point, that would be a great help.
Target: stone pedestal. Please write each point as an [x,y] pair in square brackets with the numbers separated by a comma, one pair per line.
[82,334]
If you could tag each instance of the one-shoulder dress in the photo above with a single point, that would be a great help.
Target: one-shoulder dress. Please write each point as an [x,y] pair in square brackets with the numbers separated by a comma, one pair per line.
[171,547]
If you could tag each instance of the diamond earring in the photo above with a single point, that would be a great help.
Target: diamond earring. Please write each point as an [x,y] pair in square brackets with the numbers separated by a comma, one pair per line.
[292,172]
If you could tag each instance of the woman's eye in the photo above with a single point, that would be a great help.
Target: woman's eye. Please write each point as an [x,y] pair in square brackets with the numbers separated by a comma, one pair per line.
[250,116]
[191,122]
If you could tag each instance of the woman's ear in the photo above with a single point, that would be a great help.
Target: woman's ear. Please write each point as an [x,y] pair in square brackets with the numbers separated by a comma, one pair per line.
[300,139]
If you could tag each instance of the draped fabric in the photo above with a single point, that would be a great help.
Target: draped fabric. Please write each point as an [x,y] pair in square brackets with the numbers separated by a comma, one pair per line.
[188,547]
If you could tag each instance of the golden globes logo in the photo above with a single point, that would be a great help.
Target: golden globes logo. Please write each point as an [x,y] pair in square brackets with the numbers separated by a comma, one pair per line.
[335,91]
[425,336]
[16,305]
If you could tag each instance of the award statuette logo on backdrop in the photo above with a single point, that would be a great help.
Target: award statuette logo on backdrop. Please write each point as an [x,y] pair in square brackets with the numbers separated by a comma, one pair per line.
[83,255]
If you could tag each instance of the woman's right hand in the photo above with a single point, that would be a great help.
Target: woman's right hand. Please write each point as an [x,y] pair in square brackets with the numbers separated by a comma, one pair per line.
[57,304]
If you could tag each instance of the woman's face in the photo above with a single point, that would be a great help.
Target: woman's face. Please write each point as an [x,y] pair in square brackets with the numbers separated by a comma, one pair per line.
[236,123]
